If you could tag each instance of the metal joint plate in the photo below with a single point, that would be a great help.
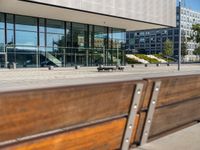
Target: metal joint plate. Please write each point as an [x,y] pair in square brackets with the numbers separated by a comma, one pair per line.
[132,116]
[150,112]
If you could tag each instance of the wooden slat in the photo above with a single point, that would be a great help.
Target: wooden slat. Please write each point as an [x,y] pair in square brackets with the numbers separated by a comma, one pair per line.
[174,116]
[135,128]
[105,136]
[139,128]
[30,112]
[178,89]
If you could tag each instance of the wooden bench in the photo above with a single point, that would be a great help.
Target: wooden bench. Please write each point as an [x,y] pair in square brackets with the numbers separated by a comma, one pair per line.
[110,68]
[96,116]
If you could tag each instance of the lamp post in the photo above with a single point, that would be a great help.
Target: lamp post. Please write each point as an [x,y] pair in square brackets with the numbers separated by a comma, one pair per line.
[179,51]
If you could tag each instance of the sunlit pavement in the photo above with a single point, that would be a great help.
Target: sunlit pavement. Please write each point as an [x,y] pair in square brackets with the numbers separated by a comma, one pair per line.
[19,79]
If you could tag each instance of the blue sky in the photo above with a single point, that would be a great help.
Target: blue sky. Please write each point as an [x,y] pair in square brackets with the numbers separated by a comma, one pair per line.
[193,4]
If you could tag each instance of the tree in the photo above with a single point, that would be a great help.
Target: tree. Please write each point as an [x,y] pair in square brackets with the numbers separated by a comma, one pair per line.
[197,51]
[183,48]
[168,48]
[196,33]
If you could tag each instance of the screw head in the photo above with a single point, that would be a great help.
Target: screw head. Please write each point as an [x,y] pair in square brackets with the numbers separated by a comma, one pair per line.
[153,102]
[130,126]
[127,140]
[139,91]
[157,89]
[135,106]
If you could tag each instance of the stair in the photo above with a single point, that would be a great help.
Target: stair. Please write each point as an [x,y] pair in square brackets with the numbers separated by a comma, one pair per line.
[53,59]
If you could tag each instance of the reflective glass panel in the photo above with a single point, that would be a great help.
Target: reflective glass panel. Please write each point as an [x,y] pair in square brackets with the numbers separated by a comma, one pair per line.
[26,23]
[100,37]
[10,21]
[55,26]
[2,25]
[26,38]
[1,40]
[10,37]
[79,35]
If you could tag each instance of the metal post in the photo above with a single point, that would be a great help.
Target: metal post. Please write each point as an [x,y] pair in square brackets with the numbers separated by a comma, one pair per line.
[104,55]
[150,112]
[179,52]
[132,115]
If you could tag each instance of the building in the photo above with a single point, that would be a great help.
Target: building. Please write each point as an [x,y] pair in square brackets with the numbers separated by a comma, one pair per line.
[151,41]
[38,33]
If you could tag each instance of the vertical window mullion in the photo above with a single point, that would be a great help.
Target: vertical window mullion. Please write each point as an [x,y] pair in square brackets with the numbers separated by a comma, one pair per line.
[38,32]
[5,30]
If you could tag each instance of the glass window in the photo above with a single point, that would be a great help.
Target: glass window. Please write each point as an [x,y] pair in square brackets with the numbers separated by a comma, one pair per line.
[79,35]
[41,25]
[55,34]
[26,38]
[100,37]
[10,21]
[68,34]
[1,40]
[2,25]
[55,40]
[26,23]
[55,26]
[118,38]
[26,31]
[2,33]
[10,37]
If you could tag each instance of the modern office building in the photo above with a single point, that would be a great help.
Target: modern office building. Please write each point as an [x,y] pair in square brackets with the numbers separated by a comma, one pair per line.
[151,41]
[37,33]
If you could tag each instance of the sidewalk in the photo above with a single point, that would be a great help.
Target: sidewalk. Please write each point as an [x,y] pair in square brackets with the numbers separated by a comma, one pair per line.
[186,139]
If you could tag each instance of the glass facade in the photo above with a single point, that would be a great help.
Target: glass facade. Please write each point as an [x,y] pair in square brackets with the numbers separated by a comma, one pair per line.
[39,42]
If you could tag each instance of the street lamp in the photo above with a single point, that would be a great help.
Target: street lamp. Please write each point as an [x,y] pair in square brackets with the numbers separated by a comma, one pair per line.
[179,51]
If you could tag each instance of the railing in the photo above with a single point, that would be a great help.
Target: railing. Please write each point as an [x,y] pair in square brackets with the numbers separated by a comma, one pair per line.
[32,56]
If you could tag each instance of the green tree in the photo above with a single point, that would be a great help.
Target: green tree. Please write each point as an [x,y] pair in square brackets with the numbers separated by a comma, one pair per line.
[168,48]
[196,33]
[183,48]
[197,51]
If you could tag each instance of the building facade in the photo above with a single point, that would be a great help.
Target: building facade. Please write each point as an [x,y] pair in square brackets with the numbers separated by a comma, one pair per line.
[63,33]
[152,41]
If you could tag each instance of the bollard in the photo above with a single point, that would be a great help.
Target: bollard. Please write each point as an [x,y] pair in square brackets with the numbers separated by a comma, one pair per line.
[77,67]
[51,67]
[132,66]
[168,64]
[158,65]
[146,65]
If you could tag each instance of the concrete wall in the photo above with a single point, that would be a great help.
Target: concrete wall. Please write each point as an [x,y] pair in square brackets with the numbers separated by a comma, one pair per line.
[154,11]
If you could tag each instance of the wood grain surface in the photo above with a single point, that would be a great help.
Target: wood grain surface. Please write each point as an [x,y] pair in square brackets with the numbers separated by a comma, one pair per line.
[105,136]
[26,113]
[175,116]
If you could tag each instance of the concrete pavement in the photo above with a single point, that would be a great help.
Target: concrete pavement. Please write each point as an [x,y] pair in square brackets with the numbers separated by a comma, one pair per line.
[23,79]
[186,139]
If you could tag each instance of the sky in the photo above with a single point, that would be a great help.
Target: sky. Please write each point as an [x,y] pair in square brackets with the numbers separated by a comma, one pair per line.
[193,4]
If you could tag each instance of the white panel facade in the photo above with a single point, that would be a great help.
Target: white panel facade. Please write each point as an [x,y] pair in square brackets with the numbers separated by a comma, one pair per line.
[154,11]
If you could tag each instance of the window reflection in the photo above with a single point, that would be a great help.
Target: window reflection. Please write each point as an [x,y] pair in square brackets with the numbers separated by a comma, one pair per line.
[26,23]
[79,35]
[100,37]
[59,43]
[2,25]
[26,38]
[55,34]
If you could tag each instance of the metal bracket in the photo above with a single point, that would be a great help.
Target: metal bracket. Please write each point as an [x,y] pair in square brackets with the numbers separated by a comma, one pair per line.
[150,112]
[132,116]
